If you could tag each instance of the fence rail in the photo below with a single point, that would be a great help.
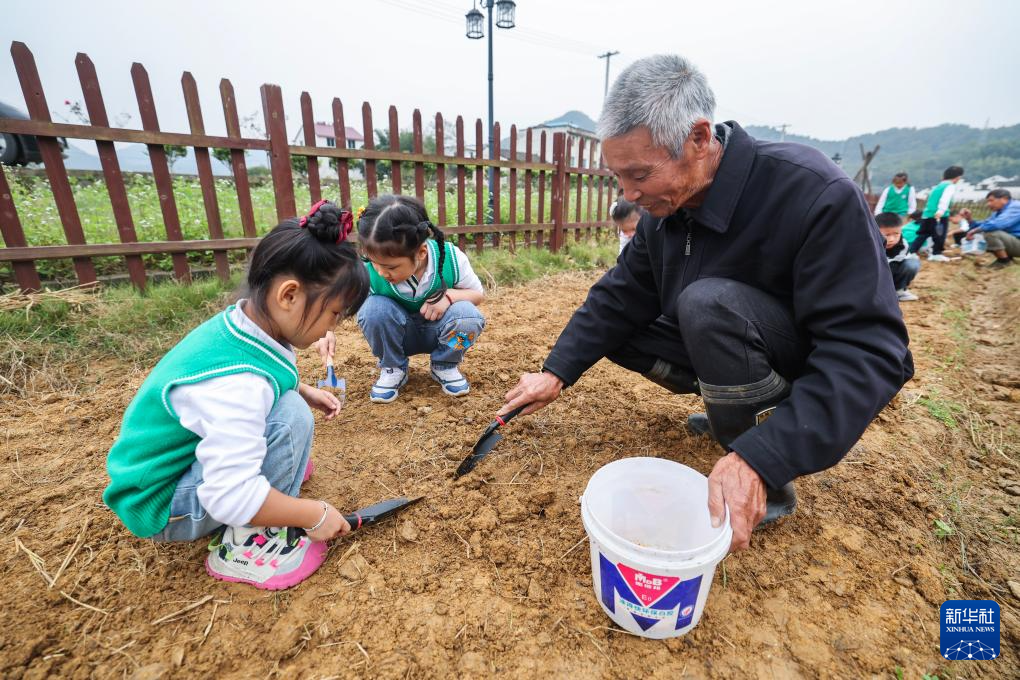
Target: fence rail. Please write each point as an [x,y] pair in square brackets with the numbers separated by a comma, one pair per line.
[579,201]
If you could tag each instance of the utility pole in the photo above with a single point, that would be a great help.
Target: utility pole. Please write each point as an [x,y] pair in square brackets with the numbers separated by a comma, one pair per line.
[782,131]
[607,56]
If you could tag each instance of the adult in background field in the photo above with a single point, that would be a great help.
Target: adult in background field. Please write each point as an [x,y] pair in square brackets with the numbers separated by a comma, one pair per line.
[898,198]
[1001,229]
[737,286]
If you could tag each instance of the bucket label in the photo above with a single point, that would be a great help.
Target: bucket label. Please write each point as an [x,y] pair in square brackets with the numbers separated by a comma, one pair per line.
[648,587]
[650,598]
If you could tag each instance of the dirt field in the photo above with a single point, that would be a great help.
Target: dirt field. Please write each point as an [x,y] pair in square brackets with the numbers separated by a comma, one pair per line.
[492,576]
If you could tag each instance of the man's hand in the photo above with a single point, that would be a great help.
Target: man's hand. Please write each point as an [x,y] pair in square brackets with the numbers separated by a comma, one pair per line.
[327,348]
[433,311]
[537,389]
[972,233]
[734,483]
[322,400]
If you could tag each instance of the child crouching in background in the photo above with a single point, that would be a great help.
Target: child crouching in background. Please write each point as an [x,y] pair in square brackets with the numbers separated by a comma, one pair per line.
[423,301]
[903,264]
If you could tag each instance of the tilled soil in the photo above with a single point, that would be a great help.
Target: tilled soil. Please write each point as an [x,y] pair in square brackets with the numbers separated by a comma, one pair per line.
[491,574]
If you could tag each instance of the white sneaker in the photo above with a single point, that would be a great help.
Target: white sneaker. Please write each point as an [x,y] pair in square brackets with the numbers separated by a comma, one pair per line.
[938,258]
[387,387]
[265,557]
[451,380]
[905,296]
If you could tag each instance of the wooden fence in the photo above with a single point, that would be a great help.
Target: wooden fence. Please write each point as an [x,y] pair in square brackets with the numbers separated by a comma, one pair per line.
[526,178]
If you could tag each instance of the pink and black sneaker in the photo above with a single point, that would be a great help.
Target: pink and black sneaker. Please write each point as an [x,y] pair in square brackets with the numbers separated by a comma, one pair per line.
[265,557]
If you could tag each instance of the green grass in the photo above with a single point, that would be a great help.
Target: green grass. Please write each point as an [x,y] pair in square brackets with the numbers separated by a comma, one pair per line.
[36,209]
[506,268]
[49,346]
[942,410]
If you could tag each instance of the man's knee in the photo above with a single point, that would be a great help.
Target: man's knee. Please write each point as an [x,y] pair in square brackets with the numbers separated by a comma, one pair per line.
[705,303]
[379,309]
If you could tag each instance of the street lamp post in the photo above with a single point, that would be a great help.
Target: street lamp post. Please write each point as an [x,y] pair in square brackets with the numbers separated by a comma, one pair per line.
[505,10]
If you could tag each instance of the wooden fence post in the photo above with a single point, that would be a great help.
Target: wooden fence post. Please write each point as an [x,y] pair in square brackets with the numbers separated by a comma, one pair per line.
[205,174]
[343,174]
[160,169]
[237,163]
[14,237]
[53,159]
[558,179]
[279,151]
[111,167]
[311,162]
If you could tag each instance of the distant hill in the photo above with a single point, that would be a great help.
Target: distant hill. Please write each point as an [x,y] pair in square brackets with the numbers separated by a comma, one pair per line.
[576,118]
[921,152]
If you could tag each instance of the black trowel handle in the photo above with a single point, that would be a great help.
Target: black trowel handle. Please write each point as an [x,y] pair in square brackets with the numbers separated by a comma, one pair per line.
[503,420]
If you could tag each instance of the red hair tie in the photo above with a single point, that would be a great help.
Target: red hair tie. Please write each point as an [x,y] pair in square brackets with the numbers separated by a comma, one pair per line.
[315,208]
[346,225]
[346,221]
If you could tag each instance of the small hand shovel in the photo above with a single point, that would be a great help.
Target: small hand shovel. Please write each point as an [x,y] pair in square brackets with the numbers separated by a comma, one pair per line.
[377,512]
[485,443]
[332,382]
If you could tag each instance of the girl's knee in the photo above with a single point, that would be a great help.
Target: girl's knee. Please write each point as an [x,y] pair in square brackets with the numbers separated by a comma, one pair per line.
[292,411]
[463,316]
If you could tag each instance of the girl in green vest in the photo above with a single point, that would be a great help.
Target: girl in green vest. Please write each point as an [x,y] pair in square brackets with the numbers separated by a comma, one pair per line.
[424,297]
[217,439]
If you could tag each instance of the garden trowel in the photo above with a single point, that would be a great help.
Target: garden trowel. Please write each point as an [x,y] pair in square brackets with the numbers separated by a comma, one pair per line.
[485,443]
[377,512]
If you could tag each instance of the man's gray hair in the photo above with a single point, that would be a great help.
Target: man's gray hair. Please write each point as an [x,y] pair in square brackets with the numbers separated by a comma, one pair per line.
[665,93]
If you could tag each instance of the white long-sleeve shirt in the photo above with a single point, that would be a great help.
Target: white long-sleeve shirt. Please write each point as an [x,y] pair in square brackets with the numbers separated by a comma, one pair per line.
[946,199]
[229,413]
[468,279]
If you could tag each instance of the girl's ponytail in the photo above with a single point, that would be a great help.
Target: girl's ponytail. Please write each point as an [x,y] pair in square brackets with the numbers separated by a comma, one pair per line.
[437,234]
[328,223]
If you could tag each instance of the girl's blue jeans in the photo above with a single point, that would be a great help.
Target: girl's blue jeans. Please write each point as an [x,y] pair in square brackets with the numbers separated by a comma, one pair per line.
[394,333]
[288,444]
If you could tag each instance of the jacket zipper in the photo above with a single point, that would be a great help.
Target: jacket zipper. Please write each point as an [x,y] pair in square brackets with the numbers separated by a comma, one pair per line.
[687,248]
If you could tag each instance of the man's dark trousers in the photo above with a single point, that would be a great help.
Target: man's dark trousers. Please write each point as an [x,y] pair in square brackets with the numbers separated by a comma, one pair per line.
[727,333]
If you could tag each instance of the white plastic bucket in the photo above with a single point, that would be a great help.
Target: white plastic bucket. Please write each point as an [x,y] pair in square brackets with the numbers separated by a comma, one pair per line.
[653,547]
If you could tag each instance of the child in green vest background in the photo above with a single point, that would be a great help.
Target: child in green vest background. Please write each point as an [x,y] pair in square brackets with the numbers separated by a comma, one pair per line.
[424,297]
[935,216]
[898,198]
[218,437]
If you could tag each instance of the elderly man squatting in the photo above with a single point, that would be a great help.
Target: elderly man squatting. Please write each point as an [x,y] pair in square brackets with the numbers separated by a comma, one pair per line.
[757,280]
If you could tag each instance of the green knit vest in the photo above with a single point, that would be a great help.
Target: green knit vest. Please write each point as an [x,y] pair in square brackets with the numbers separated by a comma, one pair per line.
[153,449]
[932,205]
[450,274]
[896,201]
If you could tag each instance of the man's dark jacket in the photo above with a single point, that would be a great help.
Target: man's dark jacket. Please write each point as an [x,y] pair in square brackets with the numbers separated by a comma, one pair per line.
[785,219]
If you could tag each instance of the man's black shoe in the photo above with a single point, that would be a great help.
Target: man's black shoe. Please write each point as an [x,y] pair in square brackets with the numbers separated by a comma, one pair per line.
[698,424]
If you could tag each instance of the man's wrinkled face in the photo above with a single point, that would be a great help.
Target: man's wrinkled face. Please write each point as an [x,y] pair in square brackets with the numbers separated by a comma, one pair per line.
[997,204]
[648,174]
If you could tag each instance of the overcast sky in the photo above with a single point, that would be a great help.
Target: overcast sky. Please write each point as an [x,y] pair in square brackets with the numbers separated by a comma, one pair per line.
[828,69]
